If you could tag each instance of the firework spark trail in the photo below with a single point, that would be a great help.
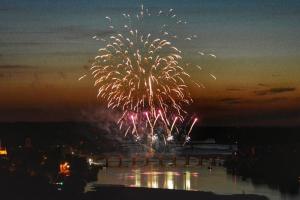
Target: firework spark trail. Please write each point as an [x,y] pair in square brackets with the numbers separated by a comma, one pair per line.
[195,120]
[144,76]
[187,138]
[173,124]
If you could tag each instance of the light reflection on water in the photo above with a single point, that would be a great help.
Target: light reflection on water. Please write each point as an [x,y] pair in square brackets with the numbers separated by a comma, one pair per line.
[185,178]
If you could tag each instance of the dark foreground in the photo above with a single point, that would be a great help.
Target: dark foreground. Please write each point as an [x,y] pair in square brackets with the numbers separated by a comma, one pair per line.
[124,193]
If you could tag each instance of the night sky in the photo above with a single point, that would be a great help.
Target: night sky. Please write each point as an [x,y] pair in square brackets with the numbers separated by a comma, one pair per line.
[46,45]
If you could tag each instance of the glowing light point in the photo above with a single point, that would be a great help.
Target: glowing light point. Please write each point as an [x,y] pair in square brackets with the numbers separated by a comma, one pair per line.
[154,138]
[187,139]
[170,138]
[137,138]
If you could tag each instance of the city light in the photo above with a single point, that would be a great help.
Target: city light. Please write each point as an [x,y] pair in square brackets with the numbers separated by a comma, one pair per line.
[64,169]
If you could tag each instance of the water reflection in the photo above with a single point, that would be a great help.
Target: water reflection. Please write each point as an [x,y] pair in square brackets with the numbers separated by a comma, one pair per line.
[187,181]
[152,181]
[137,178]
[169,181]
[186,178]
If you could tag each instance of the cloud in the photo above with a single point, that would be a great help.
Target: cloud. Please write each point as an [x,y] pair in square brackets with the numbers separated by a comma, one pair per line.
[234,101]
[275,99]
[231,100]
[272,91]
[234,89]
[262,85]
[16,67]
[79,32]
[63,35]
[280,90]
[7,8]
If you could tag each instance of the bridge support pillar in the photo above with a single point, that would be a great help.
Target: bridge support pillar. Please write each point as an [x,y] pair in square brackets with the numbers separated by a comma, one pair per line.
[187,160]
[200,161]
[106,161]
[133,162]
[147,161]
[174,161]
[160,160]
[213,163]
[120,161]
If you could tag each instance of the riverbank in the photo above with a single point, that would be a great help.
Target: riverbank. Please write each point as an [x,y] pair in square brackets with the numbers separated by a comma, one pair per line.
[131,193]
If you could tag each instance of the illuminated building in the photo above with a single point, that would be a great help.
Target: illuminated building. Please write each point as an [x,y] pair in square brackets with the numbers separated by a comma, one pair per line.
[3,151]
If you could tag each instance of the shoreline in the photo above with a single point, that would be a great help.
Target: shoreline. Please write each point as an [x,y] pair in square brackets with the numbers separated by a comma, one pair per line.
[130,193]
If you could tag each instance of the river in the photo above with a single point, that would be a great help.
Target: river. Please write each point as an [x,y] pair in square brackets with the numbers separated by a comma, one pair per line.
[197,178]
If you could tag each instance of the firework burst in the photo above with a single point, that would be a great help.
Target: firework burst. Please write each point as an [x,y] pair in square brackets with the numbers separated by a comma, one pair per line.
[143,74]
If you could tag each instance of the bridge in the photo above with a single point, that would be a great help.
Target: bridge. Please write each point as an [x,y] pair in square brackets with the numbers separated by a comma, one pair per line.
[194,154]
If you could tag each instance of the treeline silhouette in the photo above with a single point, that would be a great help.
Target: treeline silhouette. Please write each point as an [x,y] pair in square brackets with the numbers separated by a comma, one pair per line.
[277,165]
